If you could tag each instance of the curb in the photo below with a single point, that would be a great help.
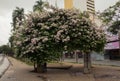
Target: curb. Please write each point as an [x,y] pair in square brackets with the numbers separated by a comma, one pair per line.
[5,65]
[1,60]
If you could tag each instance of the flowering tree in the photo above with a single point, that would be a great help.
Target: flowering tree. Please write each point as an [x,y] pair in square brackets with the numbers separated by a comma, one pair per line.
[44,35]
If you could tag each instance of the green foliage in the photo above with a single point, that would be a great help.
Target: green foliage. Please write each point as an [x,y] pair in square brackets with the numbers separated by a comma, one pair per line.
[17,16]
[112,18]
[39,6]
[5,49]
[115,27]
[42,36]
[17,20]
[108,14]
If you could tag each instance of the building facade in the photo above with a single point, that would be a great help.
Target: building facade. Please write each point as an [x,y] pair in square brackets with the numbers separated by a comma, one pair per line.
[112,48]
[82,5]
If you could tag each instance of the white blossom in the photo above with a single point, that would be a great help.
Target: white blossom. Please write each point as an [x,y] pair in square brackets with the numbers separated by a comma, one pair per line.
[45,39]
[34,40]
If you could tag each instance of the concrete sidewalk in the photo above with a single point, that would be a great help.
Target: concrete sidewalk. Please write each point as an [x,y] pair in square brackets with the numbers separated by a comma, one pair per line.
[20,71]
[4,64]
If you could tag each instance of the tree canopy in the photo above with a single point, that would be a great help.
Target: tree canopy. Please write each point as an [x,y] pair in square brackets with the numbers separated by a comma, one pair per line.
[44,35]
[111,17]
[17,16]
[5,49]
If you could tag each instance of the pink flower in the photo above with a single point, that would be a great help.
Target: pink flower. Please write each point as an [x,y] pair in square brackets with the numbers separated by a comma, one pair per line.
[34,40]
[18,43]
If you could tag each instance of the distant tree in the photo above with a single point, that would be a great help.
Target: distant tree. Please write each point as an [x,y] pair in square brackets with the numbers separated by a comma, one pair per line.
[38,6]
[111,17]
[5,49]
[17,16]
[17,21]
[115,27]
[41,6]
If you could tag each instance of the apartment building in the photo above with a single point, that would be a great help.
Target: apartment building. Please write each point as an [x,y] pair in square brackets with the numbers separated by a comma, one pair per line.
[82,5]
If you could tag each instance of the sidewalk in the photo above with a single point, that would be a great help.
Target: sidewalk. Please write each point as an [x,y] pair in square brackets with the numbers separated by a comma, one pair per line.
[19,71]
[4,64]
[106,73]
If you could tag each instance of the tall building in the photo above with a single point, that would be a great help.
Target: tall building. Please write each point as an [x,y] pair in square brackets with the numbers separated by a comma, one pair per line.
[91,6]
[82,5]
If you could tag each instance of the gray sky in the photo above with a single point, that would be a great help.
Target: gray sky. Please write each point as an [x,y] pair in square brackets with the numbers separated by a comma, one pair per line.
[7,6]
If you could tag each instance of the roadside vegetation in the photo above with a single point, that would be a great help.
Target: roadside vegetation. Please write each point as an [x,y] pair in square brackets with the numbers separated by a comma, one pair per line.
[111,18]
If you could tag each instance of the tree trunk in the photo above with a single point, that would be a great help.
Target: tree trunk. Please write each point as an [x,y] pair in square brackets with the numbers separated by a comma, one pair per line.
[35,66]
[41,67]
[62,57]
[87,63]
[76,56]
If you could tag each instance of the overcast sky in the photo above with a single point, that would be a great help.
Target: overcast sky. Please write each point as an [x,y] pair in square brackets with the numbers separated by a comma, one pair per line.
[7,6]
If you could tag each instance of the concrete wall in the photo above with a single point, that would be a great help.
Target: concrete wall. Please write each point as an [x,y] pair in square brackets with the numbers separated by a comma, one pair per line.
[97,56]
